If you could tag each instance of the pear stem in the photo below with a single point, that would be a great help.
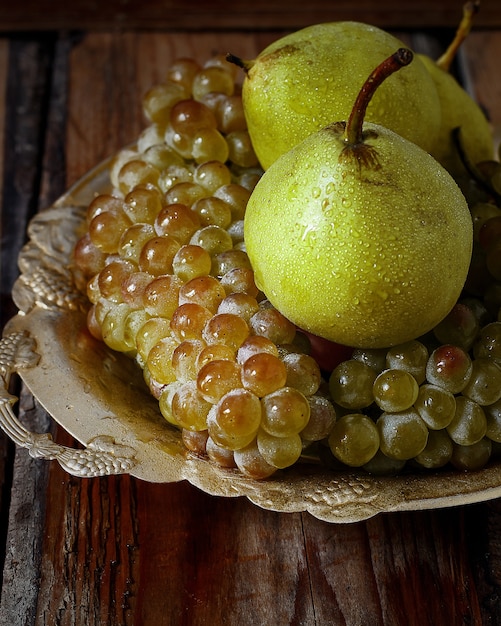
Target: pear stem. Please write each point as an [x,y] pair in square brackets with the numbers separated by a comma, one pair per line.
[243,63]
[470,9]
[353,132]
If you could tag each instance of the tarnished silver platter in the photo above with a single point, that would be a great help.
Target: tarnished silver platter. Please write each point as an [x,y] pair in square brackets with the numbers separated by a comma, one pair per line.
[100,398]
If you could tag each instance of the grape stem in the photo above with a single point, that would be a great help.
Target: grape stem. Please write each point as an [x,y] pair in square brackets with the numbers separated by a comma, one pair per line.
[470,9]
[353,134]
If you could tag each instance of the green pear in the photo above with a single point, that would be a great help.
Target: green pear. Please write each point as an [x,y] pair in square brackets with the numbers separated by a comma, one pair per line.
[459,111]
[358,235]
[310,78]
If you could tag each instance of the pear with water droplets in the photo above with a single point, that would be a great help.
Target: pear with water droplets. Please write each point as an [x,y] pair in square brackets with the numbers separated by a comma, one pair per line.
[358,235]
[310,78]
[464,127]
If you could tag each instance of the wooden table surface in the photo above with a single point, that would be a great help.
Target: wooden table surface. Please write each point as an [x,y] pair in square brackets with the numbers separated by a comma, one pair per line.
[118,551]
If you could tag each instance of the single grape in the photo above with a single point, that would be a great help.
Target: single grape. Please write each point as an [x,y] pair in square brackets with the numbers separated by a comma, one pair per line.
[205,291]
[437,452]
[263,373]
[235,420]
[217,378]
[322,419]
[402,435]
[488,343]
[280,452]
[157,255]
[436,406]
[469,423]
[215,352]
[177,220]
[351,384]
[219,455]
[212,238]
[185,357]
[493,417]
[196,441]
[270,323]
[459,327]
[251,463]
[255,344]
[212,175]
[395,390]
[226,328]
[159,360]
[160,296]
[373,357]
[241,304]
[484,386]
[354,439]
[211,210]
[411,356]
[190,408]
[303,373]
[285,412]
[113,326]
[472,457]
[191,262]
[142,205]
[188,321]
[449,367]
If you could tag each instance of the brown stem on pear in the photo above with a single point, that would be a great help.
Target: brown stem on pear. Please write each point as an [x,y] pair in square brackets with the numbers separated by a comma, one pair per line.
[244,64]
[353,131]
[470,9]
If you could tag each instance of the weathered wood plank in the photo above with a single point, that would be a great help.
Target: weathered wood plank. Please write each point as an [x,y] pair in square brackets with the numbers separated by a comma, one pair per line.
[240,14]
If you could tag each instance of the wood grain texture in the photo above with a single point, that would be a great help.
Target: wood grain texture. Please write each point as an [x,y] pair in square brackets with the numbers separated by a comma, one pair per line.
[239,14]
[120,552]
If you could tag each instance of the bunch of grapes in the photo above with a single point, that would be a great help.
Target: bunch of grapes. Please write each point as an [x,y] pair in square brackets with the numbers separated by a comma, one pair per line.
[164,266]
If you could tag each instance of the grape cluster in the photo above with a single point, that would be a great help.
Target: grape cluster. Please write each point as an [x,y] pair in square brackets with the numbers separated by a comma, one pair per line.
[164,266]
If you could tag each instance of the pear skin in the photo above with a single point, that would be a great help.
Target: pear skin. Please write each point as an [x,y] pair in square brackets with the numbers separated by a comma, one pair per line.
[459,110]
[310,78]
[366,252]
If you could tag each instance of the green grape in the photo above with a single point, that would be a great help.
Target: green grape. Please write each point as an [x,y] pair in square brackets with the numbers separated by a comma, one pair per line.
[459,328]
[373,357]
[395,390]
[410,357]
[488,343]
[322,419]
[493,417]
[436,406]
[351,384]
[113,328]
[469,423]
[437,452]
[382,465]
[280,452]
[402,435]
[472,457]
[251,463]
[189,408]
[354,439]
[285,412]
[484,386]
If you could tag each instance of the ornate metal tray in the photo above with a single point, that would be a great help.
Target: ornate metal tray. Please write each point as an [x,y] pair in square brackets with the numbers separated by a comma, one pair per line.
[100,398]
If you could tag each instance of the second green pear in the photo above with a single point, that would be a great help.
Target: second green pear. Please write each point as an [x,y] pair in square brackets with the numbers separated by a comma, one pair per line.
[310,78]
